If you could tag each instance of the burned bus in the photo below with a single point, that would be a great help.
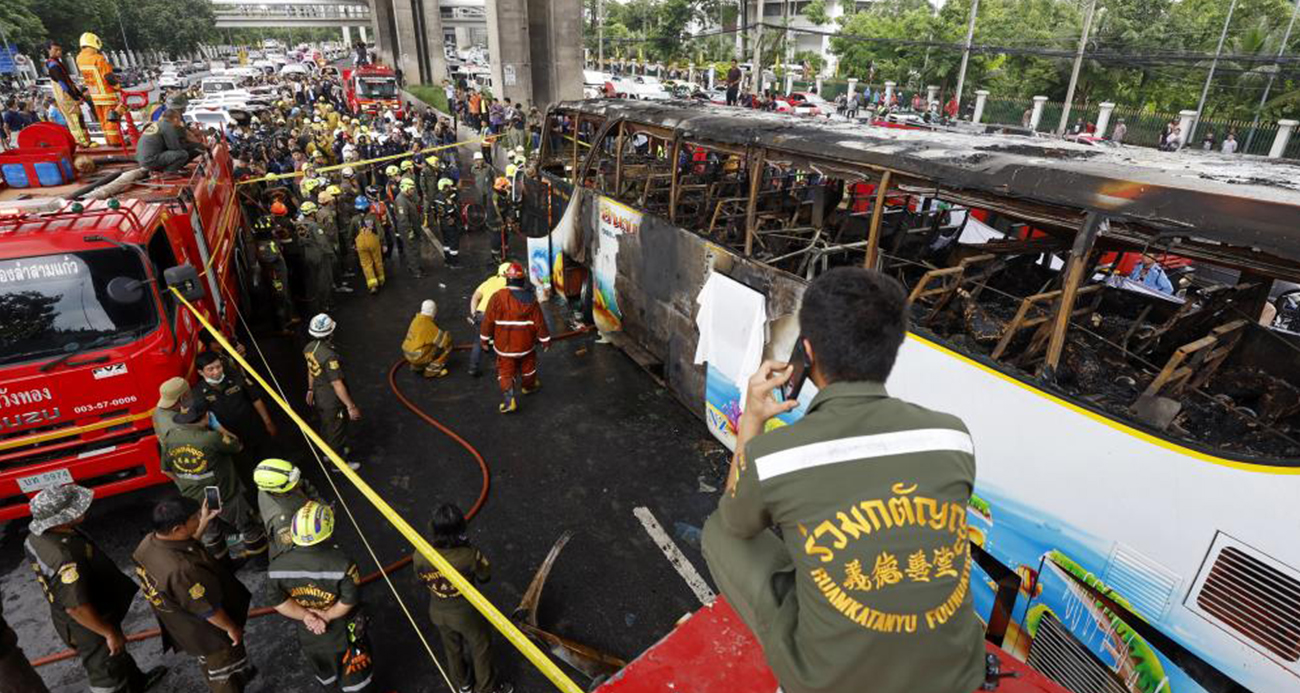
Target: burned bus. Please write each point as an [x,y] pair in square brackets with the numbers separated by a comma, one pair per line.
[1118,328]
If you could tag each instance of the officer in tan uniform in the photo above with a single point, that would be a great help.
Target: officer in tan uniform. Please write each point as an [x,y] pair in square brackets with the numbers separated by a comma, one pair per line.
[466,635]
[89,596]
[201,607]
[320,586]
[866,589]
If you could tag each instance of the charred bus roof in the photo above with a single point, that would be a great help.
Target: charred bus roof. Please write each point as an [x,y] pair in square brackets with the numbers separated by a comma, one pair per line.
[1249,203]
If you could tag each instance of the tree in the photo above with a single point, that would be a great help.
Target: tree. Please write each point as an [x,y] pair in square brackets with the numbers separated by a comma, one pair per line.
[21,26]
[815,11]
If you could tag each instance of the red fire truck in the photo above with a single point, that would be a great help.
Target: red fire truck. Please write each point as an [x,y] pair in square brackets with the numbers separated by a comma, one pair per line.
[371,89]
[88,328]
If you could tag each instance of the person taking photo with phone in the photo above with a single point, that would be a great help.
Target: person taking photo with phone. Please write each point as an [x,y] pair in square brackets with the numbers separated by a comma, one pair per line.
[866,586]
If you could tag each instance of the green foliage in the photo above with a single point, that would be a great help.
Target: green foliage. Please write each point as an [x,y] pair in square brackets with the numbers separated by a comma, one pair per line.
[816,12]
[431,95]
[170,26]
[21,26]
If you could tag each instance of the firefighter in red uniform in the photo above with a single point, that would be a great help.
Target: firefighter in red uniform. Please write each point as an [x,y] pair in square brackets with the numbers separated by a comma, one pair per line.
[514,325]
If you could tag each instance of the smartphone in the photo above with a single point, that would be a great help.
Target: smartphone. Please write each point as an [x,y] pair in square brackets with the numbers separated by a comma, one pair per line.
[213,495]
[800,363]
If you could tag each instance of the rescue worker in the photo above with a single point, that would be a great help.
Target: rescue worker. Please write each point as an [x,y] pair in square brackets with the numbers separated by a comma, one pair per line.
[514,325]
[326,390]
[281,490]
[366,229]
[447,207]
[498,215]
[320,586]
[408,222]
[67,95]
[238,407]
[426,177]
[200,606]
[16,673]
[317,256]
[103,86]
[166,145]
[346,193]
[483,179]
[465,633]
[327,217]
[427,346]
[89,596]
[478,304]
[170,394]
[276,272]
[195,456]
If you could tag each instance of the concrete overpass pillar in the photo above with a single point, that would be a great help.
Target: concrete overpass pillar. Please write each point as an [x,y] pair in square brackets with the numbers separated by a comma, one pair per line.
[509,50]
[408,48]
[555,30]
[347,36]
[436,66]
[387,45]
[364,38]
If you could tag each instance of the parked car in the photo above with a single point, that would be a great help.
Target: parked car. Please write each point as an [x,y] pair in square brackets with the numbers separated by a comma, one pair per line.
[173,80]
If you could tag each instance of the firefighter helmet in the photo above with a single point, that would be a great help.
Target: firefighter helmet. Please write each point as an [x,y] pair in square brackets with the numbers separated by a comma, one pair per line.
[502,184]
[407,164]
[348,172]
[334,190]
[362,203]
[278,208]
[90,39]
[444,183]
[501,268]
[514,271]
[276,476]
[312,524]
[321,326]
[511,170]
[325,197]
[307,207]
[392,171]
[406,184]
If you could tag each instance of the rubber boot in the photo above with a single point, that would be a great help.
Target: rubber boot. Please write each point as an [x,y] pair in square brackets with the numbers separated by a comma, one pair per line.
[508,403]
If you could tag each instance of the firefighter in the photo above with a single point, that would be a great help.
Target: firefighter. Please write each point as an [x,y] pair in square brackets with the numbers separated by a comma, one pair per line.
[326,390]
[427,346]
[514,325]
[497,213]
[281,490]
[447,206]
[327,217]
[426,175]
[320,586]
[67,95]
[478,304]
[89,596]
[317,259]
[370,248]
[103,85]
[197,455]
[200,605]
[409,223]
[465,633]
[275,271]
[346,194]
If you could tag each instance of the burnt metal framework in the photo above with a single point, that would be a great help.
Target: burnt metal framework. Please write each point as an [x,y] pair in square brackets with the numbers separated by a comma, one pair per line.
[725,173]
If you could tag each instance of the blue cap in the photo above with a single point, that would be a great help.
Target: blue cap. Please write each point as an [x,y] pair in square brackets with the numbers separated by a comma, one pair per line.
[362,203]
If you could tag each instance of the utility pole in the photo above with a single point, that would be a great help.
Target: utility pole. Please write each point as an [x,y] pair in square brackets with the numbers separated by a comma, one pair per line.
[1078,63]
[600,35]
[965,55]
[126,45]
[756,81]
[1210,77]
[1269,87]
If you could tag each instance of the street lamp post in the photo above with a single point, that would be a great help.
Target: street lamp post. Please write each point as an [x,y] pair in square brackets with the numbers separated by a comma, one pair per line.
[1078,64]
[965,54]
[1205,92]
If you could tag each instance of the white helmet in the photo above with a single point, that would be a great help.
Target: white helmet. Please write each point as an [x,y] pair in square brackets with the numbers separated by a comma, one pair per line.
[348,172]
[321,326]
[429,308]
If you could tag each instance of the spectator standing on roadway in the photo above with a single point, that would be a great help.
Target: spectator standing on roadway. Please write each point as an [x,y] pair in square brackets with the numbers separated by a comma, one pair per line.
[838,609]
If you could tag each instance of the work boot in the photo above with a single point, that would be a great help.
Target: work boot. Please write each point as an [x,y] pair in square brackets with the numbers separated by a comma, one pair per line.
[537,385]
[508,403]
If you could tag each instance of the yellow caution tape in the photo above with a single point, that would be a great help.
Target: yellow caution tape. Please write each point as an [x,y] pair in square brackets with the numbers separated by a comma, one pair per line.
[485,607]
[368,162]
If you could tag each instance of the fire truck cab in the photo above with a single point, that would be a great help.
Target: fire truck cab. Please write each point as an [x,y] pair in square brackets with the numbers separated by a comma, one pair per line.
[88,326]
[371,89]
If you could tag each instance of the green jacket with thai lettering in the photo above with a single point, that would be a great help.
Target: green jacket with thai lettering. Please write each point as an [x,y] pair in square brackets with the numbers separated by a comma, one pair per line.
[870,493]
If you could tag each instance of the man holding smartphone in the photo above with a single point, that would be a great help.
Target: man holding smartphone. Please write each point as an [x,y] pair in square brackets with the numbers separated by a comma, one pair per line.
[866,587]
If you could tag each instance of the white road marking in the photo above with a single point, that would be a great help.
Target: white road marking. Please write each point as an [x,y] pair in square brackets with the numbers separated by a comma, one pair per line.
[674,555]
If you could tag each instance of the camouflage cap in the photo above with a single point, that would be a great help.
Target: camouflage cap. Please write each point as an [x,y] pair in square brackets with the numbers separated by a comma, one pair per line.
[59,505]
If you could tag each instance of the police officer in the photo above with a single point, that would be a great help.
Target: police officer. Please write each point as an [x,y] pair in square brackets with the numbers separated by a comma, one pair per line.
[16,673]
[409,222]
[465,633]
[275,271]
[196,456]
[238,407]
[447,207]
[281,490]
[317,258]
[89,597]
[320,586]
[200,606]
[326,390]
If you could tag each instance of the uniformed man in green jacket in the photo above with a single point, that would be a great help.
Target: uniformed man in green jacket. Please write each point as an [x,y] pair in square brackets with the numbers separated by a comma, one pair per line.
[170,394]
[409,223]
[281,491]
[197,456]
[466,635]
[200,606]
[89,596]
[866,589]
[326,389]
[318,257]
[320,586]
[275,270]
[16,673]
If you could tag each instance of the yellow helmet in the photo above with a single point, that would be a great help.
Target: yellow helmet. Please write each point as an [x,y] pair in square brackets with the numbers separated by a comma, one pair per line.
[91,40]
[407,165]
[334,190]
[511,170]
[406,184]
[310,184]
[307,207]
[325,197]
[392,171]
[275,475]
[312,524]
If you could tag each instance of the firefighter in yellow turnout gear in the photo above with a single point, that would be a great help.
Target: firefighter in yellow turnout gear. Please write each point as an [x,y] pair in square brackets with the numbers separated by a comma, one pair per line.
[366,228]
[427,346]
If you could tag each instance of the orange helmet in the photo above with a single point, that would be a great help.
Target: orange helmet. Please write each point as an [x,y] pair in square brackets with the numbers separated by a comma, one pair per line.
[514,271]
[278,208]
[502,184]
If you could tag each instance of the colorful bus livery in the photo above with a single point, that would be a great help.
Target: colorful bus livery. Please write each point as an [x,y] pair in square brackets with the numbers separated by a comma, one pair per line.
[88,329]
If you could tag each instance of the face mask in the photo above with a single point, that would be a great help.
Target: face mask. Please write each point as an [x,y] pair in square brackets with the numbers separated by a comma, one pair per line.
[218,381]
